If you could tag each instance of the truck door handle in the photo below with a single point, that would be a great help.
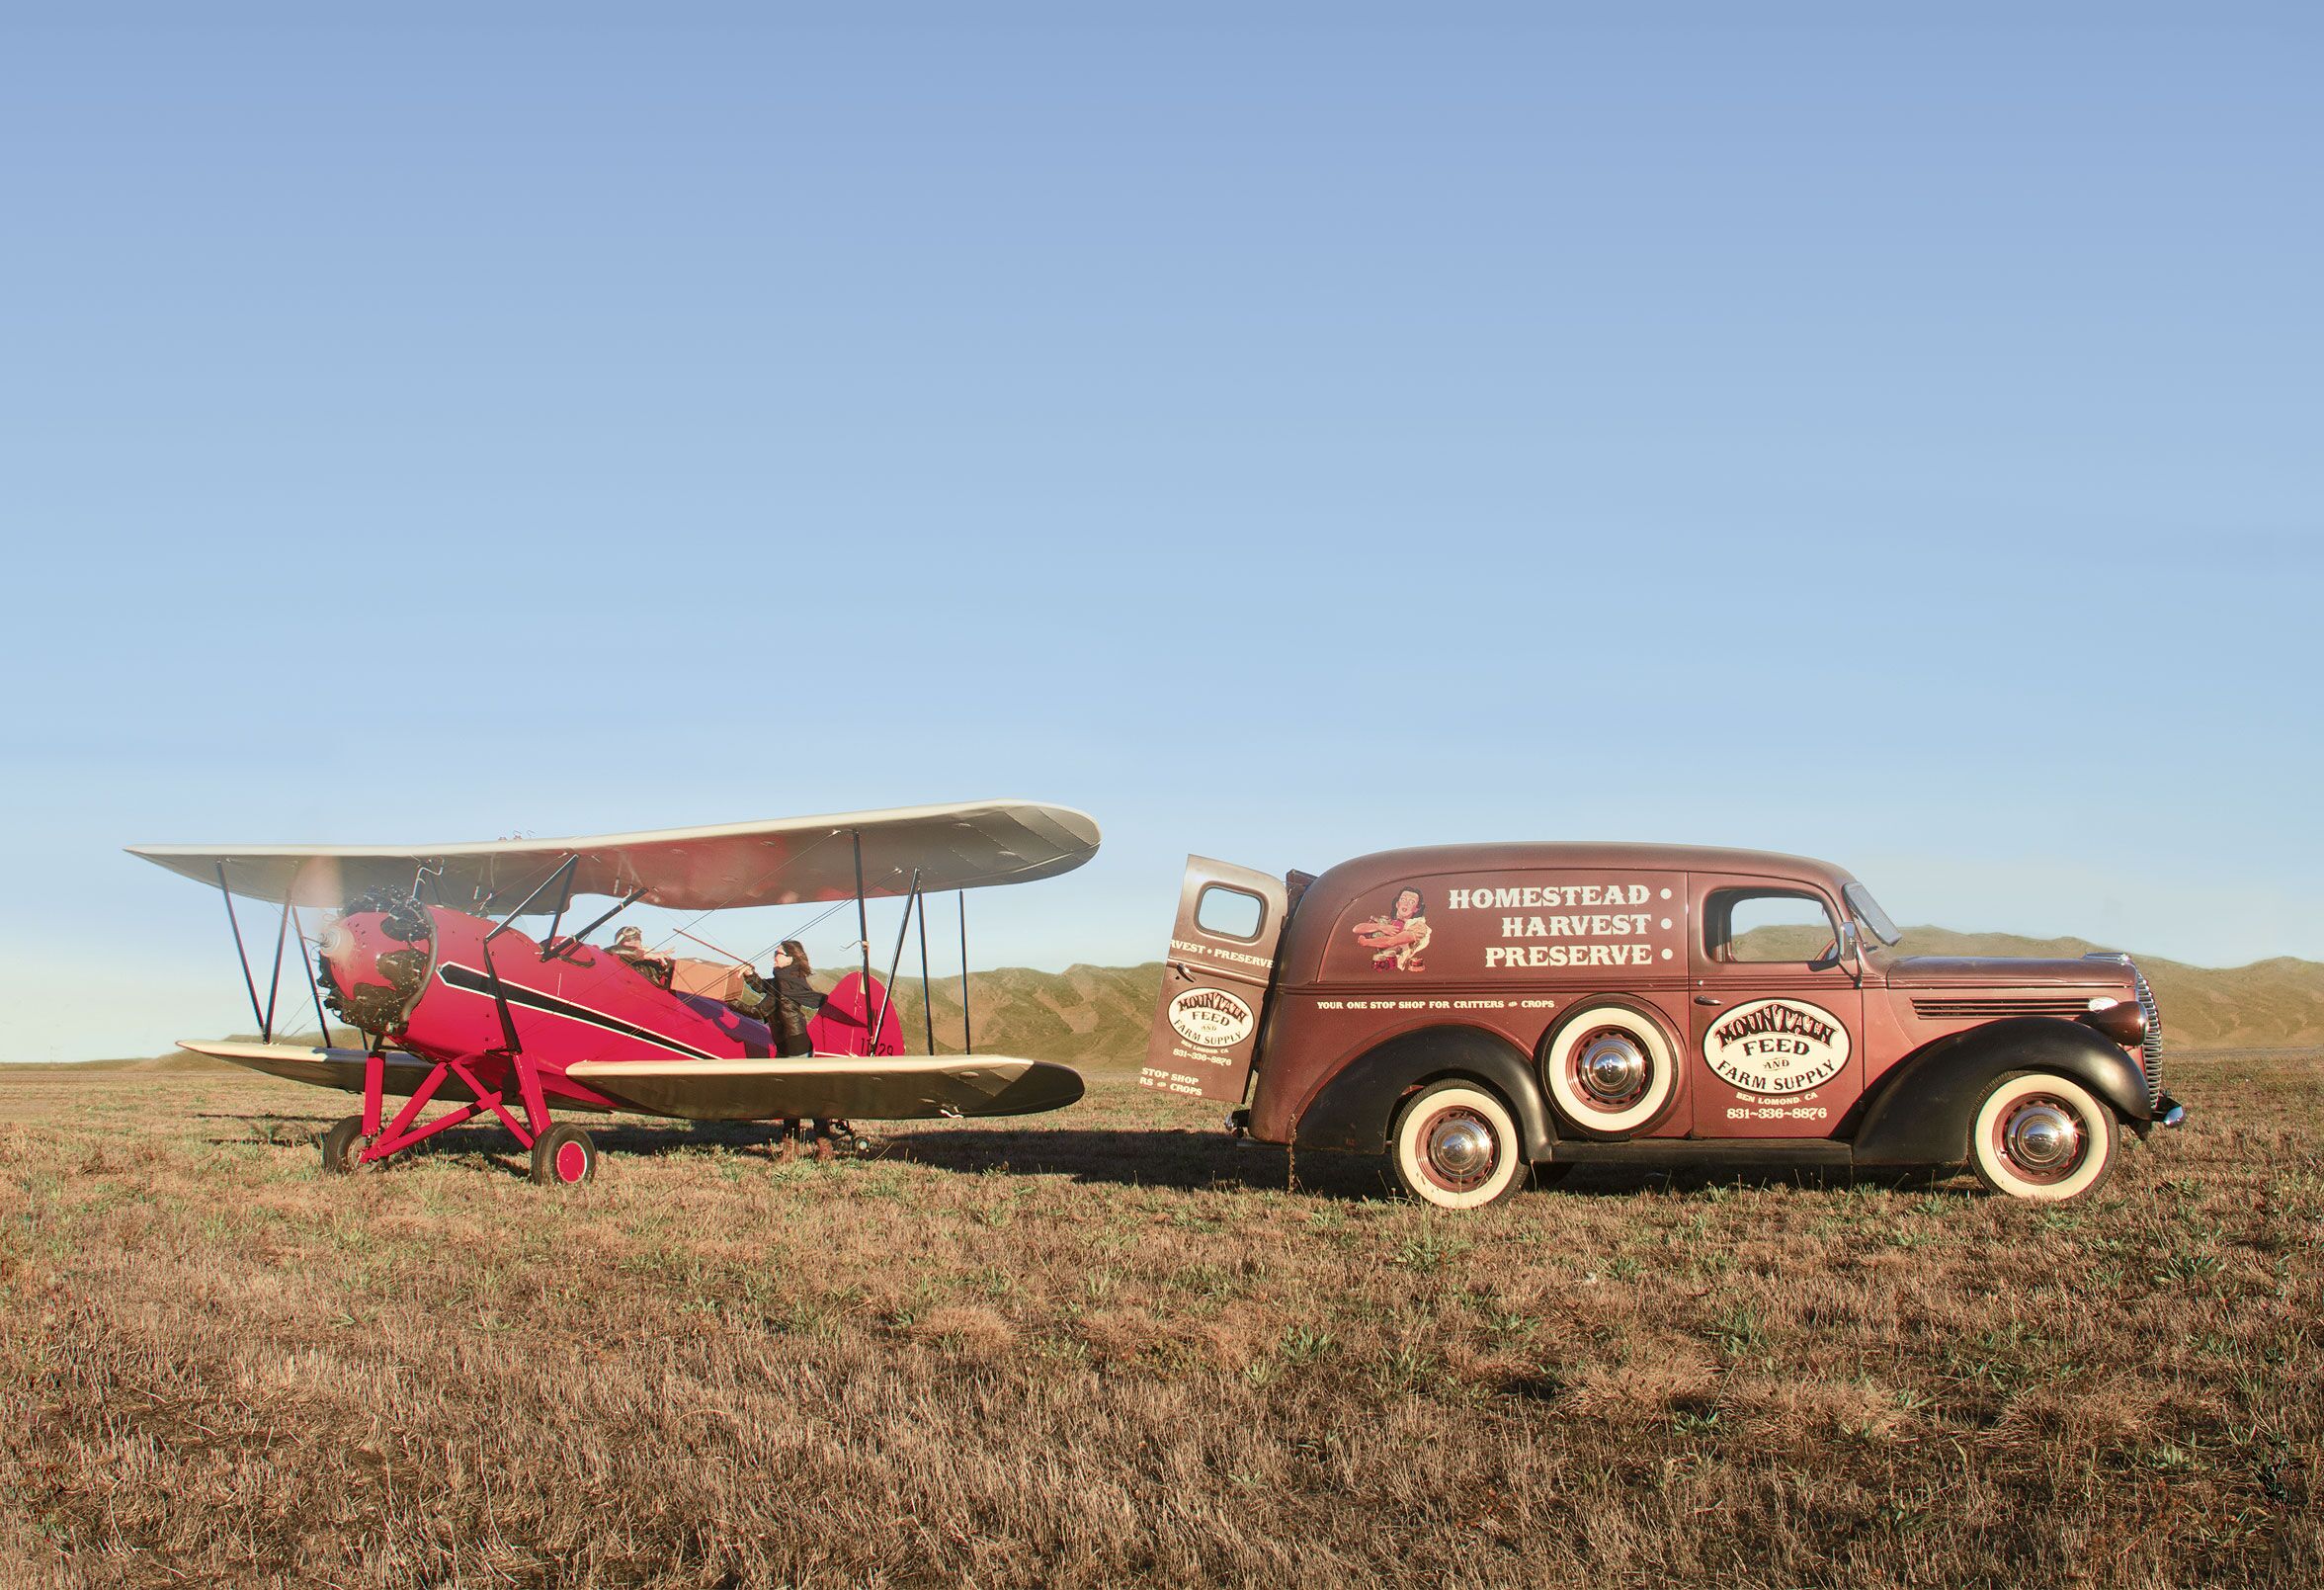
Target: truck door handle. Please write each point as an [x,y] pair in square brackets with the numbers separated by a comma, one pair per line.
[1706,999]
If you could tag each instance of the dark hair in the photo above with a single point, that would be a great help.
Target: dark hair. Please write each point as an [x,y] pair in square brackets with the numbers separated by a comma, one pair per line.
[1419,901]
[799,957]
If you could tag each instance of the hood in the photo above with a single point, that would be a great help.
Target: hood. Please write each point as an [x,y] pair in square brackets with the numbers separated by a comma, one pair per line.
[2004,971]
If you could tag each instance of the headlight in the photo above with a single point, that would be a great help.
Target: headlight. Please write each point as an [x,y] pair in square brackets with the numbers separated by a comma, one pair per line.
[2120,1020]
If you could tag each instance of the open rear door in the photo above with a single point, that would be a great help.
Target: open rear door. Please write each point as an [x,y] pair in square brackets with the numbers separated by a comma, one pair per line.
[1214,981]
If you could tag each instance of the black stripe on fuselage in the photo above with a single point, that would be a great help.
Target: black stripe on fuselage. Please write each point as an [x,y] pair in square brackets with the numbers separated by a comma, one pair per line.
[469,980]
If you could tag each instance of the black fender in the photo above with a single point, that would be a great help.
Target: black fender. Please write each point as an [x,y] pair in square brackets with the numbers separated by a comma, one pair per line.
[1357,1106]
[1921,1111]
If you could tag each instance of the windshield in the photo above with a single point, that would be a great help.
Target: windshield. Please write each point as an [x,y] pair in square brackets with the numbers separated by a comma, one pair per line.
[1868,911]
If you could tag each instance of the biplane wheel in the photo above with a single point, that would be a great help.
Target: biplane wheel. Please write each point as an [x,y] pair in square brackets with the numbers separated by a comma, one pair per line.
[343,1147]
[564,1156]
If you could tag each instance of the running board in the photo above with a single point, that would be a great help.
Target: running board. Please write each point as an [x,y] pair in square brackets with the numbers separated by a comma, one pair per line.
[1656,1152]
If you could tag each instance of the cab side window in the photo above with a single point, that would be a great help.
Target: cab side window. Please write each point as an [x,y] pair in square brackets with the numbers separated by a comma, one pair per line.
[1758,926]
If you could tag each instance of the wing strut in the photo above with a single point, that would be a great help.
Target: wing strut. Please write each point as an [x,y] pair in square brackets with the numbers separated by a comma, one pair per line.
[967,1043]
[266,1027]
[576,940]
[864,931]
[528,1072]
[315,987]
[263,1016]
[927,1004]
[401,1133]
[240,952]
[508,1022]
[564,899]
[888,993]
[564,875]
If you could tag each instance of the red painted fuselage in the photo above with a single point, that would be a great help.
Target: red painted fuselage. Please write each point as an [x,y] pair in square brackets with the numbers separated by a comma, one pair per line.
[566,1004]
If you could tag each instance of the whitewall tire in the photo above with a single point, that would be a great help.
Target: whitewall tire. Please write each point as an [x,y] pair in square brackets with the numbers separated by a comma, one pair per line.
[1455,1145]
[1610,1070]
[2040,1135]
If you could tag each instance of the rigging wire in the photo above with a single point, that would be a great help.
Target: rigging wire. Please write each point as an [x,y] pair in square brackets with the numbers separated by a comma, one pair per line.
[747,889]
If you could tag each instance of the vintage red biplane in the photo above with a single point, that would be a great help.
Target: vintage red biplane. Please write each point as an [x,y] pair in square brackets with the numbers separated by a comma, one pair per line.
[418,949]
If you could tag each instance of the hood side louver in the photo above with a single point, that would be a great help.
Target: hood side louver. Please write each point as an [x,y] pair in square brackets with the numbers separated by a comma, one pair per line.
[1994,1007]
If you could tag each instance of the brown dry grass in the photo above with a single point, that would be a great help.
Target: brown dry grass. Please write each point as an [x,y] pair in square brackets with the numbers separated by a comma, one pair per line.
[1107,1347]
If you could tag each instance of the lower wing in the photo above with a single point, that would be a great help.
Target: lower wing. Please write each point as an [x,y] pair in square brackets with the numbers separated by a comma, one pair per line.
[343,1068]
[817,1087]
[824,1087]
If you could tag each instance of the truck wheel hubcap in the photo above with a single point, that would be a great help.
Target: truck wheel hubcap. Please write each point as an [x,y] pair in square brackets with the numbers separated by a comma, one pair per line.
[1461,1149]
[1611,1070]
[2042,1138]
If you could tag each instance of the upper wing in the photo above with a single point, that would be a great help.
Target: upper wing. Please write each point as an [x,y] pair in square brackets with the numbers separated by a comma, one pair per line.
[781,862]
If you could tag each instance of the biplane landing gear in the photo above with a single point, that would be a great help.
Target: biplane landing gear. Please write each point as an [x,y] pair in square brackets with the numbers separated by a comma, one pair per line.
[564,1156]
[835,1137]
[821,1139]
[343,1147]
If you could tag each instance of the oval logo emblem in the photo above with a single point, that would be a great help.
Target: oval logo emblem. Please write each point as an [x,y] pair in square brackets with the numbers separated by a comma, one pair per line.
[1776,1045]
[1211,1018]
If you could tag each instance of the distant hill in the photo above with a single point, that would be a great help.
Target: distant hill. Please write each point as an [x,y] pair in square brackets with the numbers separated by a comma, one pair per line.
[1101,1013]
[1083,1014]
[175,1060]
[1098,1015]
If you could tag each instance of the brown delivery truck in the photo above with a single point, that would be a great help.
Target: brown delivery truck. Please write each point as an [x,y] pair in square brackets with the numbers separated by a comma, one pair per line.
[1473,1011]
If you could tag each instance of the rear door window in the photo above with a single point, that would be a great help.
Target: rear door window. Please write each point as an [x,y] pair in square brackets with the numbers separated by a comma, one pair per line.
[1225,912]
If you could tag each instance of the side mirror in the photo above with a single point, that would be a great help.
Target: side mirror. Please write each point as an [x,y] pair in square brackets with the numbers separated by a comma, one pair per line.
[1846,948]
[1852,950]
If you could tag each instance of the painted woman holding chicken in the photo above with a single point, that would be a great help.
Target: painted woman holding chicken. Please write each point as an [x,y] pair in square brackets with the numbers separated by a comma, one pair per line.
[1397,938]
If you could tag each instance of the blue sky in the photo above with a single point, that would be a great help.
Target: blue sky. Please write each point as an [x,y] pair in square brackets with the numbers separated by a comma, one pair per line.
[1284,432]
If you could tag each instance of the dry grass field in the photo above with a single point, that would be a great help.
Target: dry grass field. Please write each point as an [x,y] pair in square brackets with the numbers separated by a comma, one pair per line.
[1109,1347]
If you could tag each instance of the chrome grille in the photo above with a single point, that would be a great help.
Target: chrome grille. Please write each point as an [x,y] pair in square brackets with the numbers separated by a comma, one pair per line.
[2150,1053]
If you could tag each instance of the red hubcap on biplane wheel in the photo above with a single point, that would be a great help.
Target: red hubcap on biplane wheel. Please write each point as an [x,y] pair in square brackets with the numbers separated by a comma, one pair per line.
[564,1156]
[343,1147]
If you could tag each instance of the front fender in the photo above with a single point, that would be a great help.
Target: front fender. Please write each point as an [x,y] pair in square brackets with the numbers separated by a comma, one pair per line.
[1355,1108]
[1921,1111]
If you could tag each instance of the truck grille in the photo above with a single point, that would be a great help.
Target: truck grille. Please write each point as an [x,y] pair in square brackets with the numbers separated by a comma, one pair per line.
[1994,1008]
[2151,1052]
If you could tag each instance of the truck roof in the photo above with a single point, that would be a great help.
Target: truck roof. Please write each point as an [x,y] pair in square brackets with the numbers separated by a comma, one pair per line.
[1386,866]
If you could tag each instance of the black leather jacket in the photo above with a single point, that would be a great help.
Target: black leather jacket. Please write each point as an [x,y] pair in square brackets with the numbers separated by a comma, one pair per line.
[783,1005]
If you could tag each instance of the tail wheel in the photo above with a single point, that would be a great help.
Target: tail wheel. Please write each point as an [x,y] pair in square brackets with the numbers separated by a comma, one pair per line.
[1455,1145]
[564,1156]
[343,1147]
[2040,1135]
[1610,1070]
